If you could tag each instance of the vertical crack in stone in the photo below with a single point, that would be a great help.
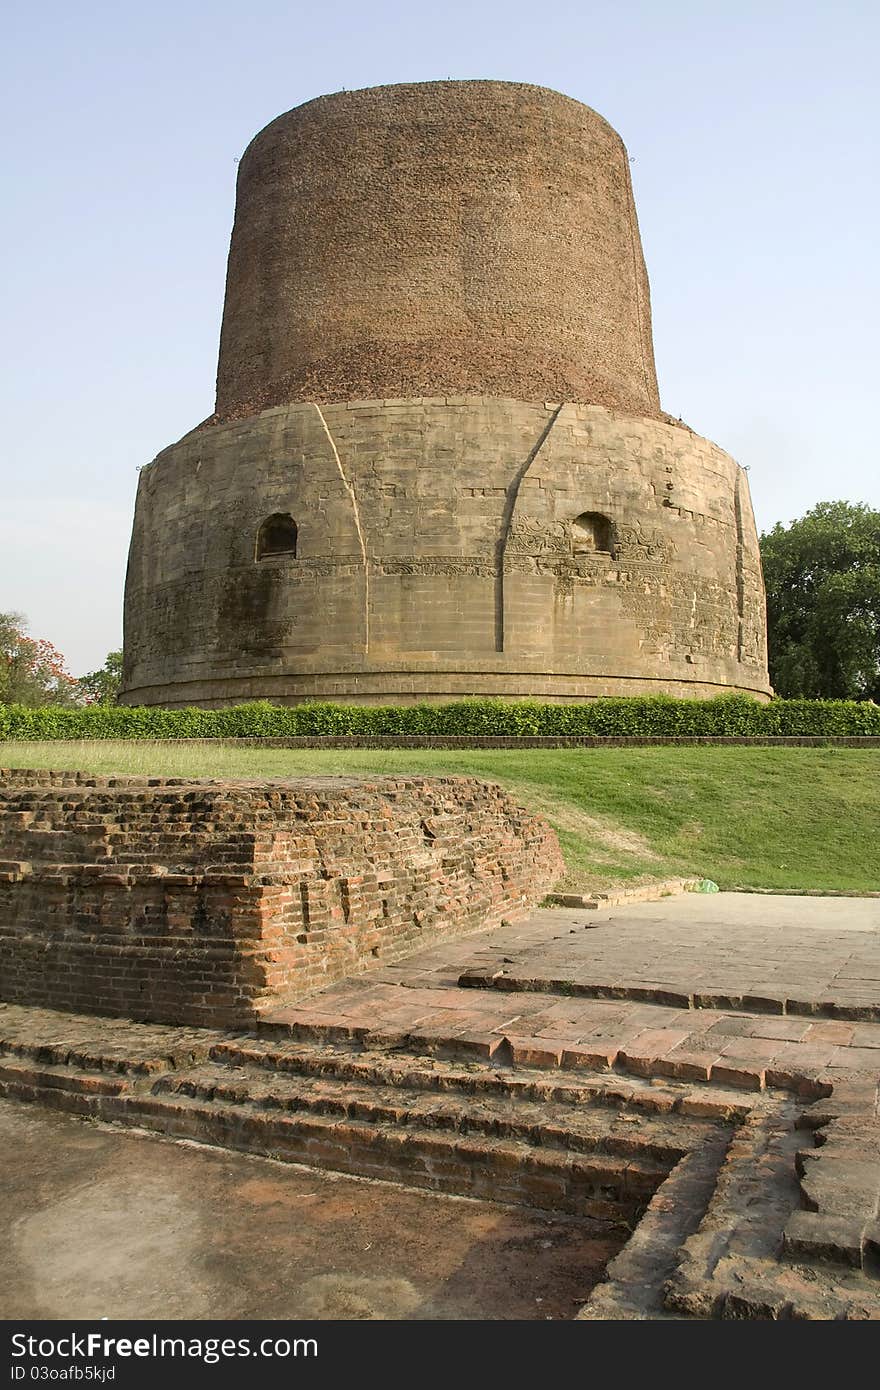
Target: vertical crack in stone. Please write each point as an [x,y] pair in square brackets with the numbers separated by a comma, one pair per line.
[510,502]
[740,567]
[357,522]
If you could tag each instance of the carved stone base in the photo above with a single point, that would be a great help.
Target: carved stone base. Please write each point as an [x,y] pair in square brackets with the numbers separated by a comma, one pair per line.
[443,548]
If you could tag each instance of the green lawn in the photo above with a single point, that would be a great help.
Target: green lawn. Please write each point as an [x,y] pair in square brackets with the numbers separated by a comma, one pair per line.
[785,818]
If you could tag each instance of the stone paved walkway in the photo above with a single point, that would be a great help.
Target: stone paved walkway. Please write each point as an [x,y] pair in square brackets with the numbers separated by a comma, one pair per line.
[806,954]
[739,989]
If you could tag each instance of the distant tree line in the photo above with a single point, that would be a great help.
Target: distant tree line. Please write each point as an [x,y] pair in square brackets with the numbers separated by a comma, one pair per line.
[822,574]
[33,672]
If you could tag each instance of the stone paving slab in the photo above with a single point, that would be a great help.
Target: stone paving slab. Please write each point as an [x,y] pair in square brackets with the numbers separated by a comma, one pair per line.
[735,943]
[779,955]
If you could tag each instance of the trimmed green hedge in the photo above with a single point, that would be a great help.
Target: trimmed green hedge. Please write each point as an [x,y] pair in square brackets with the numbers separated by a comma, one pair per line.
[657,715]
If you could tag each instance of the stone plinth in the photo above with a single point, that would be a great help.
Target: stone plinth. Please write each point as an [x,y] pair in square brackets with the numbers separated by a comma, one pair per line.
[441,552]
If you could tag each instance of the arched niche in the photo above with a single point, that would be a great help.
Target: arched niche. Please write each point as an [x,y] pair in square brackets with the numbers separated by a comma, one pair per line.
[277,536]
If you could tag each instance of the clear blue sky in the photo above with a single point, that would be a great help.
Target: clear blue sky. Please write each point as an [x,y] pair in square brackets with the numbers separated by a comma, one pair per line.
[754,132]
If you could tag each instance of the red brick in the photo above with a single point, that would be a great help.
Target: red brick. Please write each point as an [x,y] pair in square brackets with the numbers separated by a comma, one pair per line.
[535,1052]
[196,905]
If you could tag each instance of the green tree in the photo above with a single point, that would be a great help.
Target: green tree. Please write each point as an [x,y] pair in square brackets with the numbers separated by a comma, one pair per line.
[32,671]
[102,687]
[823,603]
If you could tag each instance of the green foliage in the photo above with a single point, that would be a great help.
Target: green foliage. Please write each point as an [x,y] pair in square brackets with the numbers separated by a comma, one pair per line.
[102,687]
[823,603]
[32,671]
[651,716]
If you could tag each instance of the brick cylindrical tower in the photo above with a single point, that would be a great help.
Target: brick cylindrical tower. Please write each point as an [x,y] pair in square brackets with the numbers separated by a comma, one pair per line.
[437,465]
[441,238]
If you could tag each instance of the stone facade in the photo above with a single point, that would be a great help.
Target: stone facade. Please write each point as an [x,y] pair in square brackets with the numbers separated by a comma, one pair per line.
[346,527]
[427,566]
[203,903]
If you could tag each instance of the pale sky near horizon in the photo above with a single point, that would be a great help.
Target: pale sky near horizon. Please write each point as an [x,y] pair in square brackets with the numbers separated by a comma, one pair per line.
[753,131]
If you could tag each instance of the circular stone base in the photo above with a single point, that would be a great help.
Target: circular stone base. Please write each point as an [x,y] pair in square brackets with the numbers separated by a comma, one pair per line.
[434,549]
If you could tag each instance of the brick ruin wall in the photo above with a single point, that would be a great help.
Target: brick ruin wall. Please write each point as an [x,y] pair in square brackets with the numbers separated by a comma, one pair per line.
[437,556]
[205,902]
[431,238]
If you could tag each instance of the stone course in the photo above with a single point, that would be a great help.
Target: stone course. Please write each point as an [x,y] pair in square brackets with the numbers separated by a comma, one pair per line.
[406,586]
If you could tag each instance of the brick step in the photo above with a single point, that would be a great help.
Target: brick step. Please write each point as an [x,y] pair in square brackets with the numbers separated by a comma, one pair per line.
[656,1143]
[150,1050]
[494,978]
[507,1170]
[583,1116]
[409,1070]
[139,1051]
[18,1076]
[593,1146]
[592,1057]
[502,1170]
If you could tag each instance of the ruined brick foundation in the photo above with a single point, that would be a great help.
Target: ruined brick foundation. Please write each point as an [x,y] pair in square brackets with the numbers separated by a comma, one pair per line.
[203,902]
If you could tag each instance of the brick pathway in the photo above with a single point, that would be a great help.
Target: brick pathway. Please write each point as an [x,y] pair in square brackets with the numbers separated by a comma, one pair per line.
[698,950]
[678,988]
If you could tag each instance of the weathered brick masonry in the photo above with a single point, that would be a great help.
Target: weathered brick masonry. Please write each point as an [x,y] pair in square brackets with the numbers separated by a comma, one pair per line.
[202,902]
[438,466]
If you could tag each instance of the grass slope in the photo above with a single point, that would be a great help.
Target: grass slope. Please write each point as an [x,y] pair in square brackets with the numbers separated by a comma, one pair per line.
[784,818]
